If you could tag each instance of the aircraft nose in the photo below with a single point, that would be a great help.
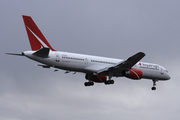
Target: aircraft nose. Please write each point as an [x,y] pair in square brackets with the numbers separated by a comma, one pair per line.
[167,77]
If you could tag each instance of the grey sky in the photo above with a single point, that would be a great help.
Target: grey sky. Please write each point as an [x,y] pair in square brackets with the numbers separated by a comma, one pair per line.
[110,28]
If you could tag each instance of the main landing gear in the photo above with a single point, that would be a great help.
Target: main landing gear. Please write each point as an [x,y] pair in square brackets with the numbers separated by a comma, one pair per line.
[108,82]
[90,83]
[100,79]
[154,84]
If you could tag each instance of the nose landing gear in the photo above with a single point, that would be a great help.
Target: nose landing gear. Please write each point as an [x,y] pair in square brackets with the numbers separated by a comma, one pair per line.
[154,84]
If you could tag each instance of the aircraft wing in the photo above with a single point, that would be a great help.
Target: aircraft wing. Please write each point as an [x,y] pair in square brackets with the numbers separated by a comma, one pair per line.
[123,65]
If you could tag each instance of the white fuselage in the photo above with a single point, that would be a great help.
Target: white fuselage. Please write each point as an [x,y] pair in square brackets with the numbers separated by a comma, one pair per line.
[96,68]
[91,64]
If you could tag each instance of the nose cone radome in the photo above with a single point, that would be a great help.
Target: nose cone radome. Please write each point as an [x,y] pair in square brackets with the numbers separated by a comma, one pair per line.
[167,77]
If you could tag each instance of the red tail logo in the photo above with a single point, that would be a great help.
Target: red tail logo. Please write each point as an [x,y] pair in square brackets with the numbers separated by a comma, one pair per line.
[36,38]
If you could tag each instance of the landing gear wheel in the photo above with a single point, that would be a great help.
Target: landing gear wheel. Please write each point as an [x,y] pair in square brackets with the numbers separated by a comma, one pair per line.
[91,83]
[112,82]
[88,84]
[153,88]
[108,82]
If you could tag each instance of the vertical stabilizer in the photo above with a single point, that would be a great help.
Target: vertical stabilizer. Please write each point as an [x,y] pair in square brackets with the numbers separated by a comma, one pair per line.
[36,38]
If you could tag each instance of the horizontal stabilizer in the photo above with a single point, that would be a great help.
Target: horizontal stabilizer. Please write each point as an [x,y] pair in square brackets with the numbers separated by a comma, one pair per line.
[44,52]
[15,54]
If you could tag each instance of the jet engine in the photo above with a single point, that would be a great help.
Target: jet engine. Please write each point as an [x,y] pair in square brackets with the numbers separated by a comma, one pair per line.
[133,74]
[95,78]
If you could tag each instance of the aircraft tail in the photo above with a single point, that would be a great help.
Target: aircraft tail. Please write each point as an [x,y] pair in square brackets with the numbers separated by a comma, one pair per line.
[36,38]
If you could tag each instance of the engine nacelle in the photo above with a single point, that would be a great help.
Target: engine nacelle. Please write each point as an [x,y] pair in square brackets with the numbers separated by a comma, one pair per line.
[133,74]
[95,78]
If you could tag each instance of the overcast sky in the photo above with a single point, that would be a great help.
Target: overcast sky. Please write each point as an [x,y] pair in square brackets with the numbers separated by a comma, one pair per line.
[110,28]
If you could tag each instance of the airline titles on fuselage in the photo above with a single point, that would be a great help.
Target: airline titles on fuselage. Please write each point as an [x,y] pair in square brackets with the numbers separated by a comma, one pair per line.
[149,66]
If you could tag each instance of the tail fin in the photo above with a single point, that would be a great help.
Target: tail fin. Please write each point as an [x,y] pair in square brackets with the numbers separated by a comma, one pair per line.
[36,38]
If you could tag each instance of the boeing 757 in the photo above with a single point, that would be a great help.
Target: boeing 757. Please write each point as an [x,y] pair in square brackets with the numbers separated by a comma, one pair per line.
[96,69]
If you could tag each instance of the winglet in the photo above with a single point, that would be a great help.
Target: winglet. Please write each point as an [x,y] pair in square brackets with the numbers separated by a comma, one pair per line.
[36,38]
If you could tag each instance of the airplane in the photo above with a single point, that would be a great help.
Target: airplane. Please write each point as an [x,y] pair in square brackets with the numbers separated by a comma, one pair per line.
[96,69]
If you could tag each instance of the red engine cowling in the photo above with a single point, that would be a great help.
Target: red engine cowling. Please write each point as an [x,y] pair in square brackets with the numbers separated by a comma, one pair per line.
[95,78]
[133,74]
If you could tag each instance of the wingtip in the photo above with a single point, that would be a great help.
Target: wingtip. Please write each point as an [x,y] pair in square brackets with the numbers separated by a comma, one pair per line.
[142,53]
